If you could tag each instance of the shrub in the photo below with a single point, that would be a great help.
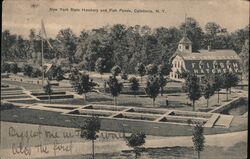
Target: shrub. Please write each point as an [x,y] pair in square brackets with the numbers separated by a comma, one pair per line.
[27,69]
[116,70]
[5,67]
[124,76]
[151,69]
[14,68]
[36,73]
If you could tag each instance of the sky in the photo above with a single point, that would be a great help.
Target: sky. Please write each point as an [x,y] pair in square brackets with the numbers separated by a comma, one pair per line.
[19,16]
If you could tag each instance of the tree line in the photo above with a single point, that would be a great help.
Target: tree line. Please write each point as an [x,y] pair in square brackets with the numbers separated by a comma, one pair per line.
[119,44]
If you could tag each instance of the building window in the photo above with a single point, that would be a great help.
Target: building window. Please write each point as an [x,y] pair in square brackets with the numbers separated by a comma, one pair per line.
[187,47]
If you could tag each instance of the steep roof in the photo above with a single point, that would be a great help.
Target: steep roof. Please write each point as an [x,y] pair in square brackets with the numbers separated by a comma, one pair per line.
[185,40]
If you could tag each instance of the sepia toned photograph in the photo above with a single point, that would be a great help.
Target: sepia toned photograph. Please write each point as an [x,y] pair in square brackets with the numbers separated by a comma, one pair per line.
[124,79]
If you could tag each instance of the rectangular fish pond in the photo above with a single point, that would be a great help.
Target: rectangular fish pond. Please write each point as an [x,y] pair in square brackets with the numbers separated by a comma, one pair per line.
[237,107]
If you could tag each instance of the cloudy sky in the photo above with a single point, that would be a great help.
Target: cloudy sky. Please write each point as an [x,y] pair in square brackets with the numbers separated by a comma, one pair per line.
[19,16]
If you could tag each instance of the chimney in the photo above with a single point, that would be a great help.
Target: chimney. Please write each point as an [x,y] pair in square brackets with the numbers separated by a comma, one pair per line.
[209,48]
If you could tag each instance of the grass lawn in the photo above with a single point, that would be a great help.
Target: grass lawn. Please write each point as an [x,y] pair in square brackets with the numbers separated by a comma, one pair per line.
[27,86]
[176,100]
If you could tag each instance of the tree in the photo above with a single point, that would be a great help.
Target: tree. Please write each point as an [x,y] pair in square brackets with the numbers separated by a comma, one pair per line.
[162,82]
[208,90]
[238,38]
[74,75]
[8,41]
[217,84]
[229,80]
[83,84]
[124,76]
[153,88]
[164,69]
[134,85]
[115,87]
[136,140]
[193,89]
[5,67]
[66,44]
[212,28]
[141,70]
[198,139]
[59,73]
[116,70]
[193,31]
[89,129]
[56,73]
[245,58]
[48,90]
[36,73]
[27,70]
[14,68]
[151,69]
[100,66]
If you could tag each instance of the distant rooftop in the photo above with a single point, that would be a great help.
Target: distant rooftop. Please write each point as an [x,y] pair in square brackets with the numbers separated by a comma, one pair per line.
[210,55]
[185,40]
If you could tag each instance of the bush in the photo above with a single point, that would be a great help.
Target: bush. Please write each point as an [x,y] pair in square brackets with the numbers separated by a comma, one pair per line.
[151,69]
[5,67]
[124,76]
[14,68]
[116,70]
[27,69]
[36,73]
[56,73]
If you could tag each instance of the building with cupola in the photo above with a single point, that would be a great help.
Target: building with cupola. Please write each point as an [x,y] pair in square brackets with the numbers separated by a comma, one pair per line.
[202,62]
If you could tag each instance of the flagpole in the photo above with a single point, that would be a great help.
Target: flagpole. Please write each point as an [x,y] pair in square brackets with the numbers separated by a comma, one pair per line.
[42,61]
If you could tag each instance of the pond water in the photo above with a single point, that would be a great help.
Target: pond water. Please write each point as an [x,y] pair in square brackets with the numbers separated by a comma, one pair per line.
[238,108]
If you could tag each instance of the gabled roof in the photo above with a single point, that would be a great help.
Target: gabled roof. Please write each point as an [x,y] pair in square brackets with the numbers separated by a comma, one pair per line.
[48,67]
[185,40]
[209,55]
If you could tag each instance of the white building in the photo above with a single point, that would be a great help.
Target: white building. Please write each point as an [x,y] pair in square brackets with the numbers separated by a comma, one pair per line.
[202,62]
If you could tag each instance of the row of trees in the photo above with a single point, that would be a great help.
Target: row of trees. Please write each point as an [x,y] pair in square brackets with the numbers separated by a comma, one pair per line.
[213,83]
[155,82]
[92,126]
[104,47]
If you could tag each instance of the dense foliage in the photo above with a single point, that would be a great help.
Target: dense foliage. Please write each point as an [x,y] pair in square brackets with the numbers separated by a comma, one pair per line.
[136,140]
[193,88]
[121,45]
[198,139]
